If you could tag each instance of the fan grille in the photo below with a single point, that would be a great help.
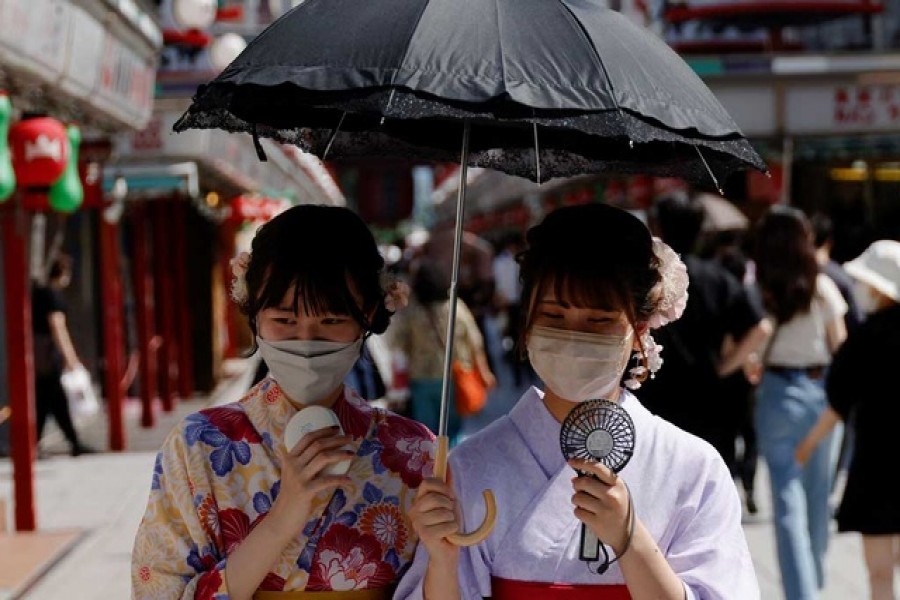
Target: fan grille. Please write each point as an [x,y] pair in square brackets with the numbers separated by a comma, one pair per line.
[598,431]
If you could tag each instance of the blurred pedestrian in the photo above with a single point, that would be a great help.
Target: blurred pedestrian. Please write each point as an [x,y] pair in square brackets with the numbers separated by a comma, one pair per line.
[420,333]
[475,282]
[823,232]
[54,352]
[808,312]
[698,360]
[232,510]
[508,307]
[740,387]
[855,384]
[594,284]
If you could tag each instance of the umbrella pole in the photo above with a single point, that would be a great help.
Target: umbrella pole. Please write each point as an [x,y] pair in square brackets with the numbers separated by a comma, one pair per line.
[454,276]
[443,442]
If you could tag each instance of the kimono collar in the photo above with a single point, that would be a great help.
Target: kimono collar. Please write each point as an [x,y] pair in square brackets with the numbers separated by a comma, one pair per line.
[269,410]
[540,430]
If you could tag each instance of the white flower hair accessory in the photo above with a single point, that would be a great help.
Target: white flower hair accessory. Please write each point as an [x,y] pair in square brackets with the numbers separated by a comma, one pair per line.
[652,363]
[239,266]
[673,297]
[673,285]
[396,293]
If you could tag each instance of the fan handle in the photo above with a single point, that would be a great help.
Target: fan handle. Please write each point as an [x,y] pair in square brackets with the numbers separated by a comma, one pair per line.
[490,518]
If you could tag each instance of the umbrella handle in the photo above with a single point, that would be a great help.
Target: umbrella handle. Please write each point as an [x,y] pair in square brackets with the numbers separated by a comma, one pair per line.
[490,517]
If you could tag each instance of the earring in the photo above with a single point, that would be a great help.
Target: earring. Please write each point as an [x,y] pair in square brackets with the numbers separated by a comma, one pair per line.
[639,372]
[650,362]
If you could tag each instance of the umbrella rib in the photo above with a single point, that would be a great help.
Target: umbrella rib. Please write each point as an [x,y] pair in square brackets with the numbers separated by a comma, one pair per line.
[334,135]
[577,25]
[708,169]
[500,43]
[412,32]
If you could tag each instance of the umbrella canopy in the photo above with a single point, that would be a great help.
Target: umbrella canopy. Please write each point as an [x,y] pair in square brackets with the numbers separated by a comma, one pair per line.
[720,214]
[550,89]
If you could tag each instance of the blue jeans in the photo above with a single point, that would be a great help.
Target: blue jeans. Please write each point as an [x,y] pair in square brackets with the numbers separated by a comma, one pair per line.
[425,405]
[788,405]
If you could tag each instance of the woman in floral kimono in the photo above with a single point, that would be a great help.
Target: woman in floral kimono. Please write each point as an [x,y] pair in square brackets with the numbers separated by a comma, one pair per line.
[233,513]
[594,283]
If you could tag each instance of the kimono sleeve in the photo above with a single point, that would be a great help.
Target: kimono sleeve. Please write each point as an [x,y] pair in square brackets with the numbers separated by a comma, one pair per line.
[474,570]
[709,551]
[174,554]
[473,575]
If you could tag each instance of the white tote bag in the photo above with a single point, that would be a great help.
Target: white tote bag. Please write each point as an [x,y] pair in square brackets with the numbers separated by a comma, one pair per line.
[80,393]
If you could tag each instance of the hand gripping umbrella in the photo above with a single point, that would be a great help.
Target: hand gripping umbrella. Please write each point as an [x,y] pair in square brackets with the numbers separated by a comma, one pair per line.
[535,88]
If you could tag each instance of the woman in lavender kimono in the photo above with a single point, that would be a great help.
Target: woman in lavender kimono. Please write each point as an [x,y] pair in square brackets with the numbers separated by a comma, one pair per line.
[594,283]
[234,513]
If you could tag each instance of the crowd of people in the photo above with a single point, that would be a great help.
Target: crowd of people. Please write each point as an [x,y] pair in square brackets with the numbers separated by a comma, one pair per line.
[723,350]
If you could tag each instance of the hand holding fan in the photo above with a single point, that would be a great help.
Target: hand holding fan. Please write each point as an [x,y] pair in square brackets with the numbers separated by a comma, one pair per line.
[598,431]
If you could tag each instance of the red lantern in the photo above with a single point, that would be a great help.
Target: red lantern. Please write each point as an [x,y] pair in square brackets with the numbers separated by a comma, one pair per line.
[40,151]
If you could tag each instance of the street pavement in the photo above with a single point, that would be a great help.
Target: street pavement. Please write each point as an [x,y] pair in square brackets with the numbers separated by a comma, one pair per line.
[104,496]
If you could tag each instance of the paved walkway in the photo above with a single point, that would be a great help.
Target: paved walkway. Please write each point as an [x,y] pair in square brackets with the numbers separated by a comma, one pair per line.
[101,498]
[104,495]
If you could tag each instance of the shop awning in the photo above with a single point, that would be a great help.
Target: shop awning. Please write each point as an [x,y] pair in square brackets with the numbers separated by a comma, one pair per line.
[97,60]
[163,179]
[227,163]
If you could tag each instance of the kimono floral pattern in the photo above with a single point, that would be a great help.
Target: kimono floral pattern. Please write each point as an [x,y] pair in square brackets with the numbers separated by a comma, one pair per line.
[217,477]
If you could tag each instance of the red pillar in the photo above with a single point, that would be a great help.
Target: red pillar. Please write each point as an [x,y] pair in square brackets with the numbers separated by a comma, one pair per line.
[144,312]
[227,234]
[113,335]
[183,305]
[165,290]
[20,360]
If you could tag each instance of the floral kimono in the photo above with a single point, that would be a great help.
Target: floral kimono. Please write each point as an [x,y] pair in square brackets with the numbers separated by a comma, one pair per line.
[682,491]
[218,474]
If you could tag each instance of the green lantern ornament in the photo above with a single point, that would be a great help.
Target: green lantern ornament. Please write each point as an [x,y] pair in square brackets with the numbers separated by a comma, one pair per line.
[7,175]
[67,194]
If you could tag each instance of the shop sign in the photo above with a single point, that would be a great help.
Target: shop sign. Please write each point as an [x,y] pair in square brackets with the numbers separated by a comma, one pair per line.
[34,35]
[126,81]
[257,208]
[843,109]
[85,44]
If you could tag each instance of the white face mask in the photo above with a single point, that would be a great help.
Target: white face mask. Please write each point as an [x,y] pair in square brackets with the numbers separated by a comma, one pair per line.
[865,298]
[309,370]
[579,366]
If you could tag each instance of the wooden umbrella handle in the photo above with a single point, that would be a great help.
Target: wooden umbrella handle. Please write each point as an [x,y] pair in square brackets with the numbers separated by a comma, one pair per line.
[490,517]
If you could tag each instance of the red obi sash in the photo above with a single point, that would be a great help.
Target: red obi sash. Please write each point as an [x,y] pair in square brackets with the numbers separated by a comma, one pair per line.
[511,589]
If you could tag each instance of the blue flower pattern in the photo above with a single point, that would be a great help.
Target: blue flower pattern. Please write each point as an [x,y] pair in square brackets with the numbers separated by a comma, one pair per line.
[198,428]
[157,472]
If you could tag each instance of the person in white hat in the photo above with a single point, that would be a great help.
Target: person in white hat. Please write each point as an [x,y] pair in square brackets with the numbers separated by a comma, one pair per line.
[855,382]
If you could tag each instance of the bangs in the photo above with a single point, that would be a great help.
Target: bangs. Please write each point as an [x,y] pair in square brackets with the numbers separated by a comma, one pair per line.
[592,290]
[317,291]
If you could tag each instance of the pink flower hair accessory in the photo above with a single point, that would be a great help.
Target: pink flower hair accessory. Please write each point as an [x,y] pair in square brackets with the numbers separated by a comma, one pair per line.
[239,266]
[672,287]
[396,293]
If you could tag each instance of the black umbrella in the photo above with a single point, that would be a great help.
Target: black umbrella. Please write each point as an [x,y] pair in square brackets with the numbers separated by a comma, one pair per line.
[581,84]
[535,88]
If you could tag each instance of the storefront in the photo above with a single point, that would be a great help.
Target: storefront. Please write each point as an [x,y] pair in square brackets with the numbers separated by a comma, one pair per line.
[86,69]
[829,127]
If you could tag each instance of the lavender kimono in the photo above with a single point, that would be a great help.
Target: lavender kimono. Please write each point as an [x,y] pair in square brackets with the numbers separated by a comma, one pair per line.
[682,492]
